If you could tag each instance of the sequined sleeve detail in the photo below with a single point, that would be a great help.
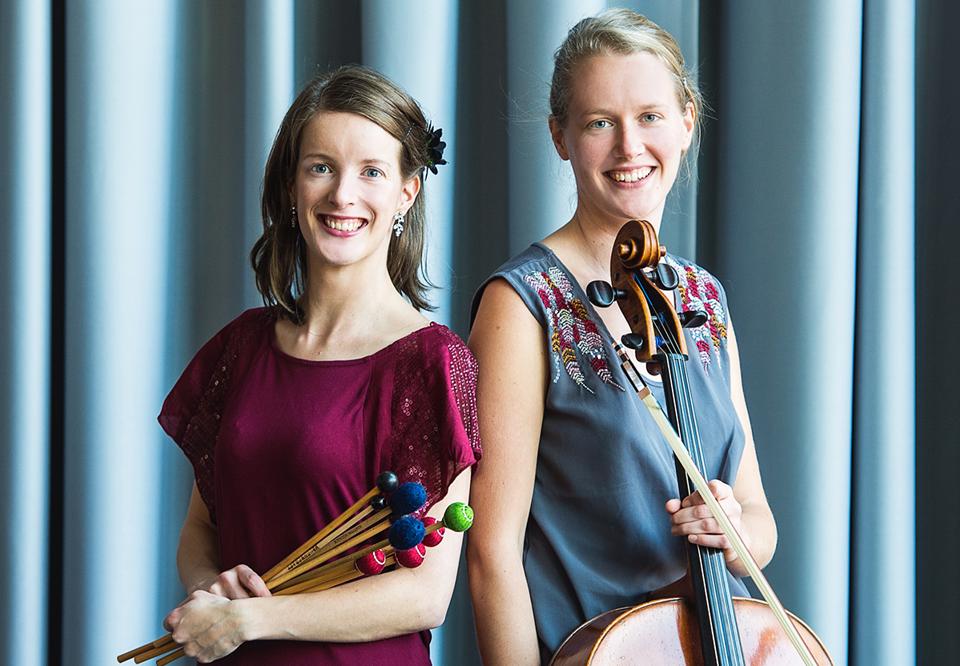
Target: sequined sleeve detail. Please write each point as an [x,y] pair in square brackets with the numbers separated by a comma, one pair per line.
[573,334]
[435,431]
[699,290]
[192,410]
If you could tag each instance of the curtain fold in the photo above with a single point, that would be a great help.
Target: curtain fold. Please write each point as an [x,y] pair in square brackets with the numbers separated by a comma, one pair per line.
[786,213]
[802,201]
[25,288]
[884,504]
[119,133]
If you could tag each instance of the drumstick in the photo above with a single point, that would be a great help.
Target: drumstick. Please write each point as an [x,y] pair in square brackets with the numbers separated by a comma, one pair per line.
[386,483]
[404,535]
[405,532]
[407,498]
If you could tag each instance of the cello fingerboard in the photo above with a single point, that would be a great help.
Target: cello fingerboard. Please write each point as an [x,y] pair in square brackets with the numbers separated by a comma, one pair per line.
[720,638]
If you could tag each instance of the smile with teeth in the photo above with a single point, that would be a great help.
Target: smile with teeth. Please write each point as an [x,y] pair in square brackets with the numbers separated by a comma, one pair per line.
[631,176]
[341,224]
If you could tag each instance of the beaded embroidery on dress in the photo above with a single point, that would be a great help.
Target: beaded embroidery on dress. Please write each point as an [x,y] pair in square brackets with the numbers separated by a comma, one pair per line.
[699,290]
[573,333]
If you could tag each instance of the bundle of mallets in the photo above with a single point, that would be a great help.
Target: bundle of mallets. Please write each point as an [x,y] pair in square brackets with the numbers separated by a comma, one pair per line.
[312,567]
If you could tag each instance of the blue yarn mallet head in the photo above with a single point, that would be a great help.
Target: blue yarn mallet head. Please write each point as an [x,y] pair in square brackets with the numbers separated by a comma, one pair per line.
[405,533]
[407,498]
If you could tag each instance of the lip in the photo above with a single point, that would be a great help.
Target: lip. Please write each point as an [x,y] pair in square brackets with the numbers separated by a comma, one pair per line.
[630,184]
[339,232]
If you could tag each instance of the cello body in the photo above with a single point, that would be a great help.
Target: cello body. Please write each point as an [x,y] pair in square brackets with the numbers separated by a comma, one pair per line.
[665,631]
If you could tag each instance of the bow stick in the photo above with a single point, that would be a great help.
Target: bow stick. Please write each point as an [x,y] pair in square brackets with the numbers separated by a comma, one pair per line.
[690,467]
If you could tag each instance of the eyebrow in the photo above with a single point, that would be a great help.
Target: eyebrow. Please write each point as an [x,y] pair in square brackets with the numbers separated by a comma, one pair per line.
[608,112]
[322,156]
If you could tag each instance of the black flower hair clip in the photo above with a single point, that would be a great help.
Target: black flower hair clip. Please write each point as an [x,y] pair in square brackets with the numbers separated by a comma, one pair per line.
[435,148]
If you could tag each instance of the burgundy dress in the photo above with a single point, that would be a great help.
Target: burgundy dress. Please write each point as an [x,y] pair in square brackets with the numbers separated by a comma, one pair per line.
[281,446]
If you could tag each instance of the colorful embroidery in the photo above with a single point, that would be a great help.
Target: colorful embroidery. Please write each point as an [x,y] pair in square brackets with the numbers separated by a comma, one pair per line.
[699,291]
[572,328]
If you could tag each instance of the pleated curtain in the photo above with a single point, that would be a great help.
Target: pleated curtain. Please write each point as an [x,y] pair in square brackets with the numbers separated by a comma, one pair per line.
[132,142]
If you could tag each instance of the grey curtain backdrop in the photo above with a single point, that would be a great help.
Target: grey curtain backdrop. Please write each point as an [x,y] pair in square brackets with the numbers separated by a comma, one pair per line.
[132,138]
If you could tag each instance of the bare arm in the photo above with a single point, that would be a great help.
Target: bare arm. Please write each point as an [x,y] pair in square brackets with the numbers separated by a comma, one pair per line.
[390,604]
[506,340]
[745,503]
[198,557]
[757,519]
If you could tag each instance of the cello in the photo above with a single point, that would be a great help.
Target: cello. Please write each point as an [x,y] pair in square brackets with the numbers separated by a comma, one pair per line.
[695,620]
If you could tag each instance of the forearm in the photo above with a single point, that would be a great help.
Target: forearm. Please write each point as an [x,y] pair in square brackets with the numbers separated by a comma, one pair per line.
[759,531]
[390,604]
[506,631]
[197,561]
[198,554]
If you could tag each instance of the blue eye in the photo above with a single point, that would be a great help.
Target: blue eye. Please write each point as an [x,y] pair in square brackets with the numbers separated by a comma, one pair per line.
[600,124]
[320,168]
[370,172]
[650,117]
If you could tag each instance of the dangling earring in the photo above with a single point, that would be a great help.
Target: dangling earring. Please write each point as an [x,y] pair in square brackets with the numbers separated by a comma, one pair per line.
[293,217]
[398,224]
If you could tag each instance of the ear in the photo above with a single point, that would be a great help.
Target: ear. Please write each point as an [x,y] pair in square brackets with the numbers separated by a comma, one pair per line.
[556,133]
[689,123]
[411,188]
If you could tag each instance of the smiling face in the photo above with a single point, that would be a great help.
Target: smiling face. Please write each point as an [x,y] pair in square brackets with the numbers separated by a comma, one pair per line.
[625,135]
[347,189]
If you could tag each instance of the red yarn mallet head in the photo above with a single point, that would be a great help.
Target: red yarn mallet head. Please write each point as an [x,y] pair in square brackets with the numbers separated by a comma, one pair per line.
[372,563]
[432,538]
[412,557]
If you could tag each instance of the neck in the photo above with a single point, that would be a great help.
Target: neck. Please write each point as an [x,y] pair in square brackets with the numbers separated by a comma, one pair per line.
[594,236]
[345,299]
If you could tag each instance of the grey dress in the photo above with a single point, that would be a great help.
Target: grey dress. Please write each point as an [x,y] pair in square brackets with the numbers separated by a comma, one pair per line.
[598,536]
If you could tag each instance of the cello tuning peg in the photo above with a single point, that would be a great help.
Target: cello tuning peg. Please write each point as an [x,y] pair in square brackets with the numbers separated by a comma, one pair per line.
[692,318]
[603,294]
[632,340]
[666,276]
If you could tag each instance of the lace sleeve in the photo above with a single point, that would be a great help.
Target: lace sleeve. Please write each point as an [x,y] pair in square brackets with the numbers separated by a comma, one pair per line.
[435,430]
[191,411]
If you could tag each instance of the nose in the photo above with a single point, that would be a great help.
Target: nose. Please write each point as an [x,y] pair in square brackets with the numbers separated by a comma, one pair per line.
[342,192]
[631,142]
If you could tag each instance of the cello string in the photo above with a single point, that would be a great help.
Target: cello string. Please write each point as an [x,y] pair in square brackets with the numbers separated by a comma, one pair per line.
[716,557]
[714,573]
[713,563]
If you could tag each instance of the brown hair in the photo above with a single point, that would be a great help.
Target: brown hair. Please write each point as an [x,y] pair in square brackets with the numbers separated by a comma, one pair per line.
[279,257]
[621,32]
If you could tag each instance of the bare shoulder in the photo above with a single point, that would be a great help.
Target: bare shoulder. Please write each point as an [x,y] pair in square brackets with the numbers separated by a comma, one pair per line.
[501,310]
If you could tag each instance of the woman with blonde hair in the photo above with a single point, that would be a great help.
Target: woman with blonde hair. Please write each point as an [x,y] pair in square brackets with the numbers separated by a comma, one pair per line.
[577,502]
[292,410]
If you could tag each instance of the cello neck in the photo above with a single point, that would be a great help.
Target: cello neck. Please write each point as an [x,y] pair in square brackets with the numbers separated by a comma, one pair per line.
[720,638]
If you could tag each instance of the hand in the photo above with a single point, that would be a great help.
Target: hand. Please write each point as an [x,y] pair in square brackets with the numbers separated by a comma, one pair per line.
[692,518]
[240,582]
[207,626]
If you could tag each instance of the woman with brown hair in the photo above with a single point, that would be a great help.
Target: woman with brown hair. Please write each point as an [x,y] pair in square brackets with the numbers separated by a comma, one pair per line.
[291,411]
[577,502]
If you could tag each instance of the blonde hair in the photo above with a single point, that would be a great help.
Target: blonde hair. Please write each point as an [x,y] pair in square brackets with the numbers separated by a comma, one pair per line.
[620,32]
[279,257]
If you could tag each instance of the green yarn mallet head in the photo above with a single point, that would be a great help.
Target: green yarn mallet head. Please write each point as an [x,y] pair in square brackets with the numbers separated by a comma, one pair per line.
[458,517]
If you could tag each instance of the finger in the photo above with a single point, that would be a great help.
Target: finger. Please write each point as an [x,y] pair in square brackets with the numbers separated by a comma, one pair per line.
[693,499]
[719,489]
[691,514]
[672,505]
[172,619]
[717,541]
[252,582]
[230,585]
[705,526]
